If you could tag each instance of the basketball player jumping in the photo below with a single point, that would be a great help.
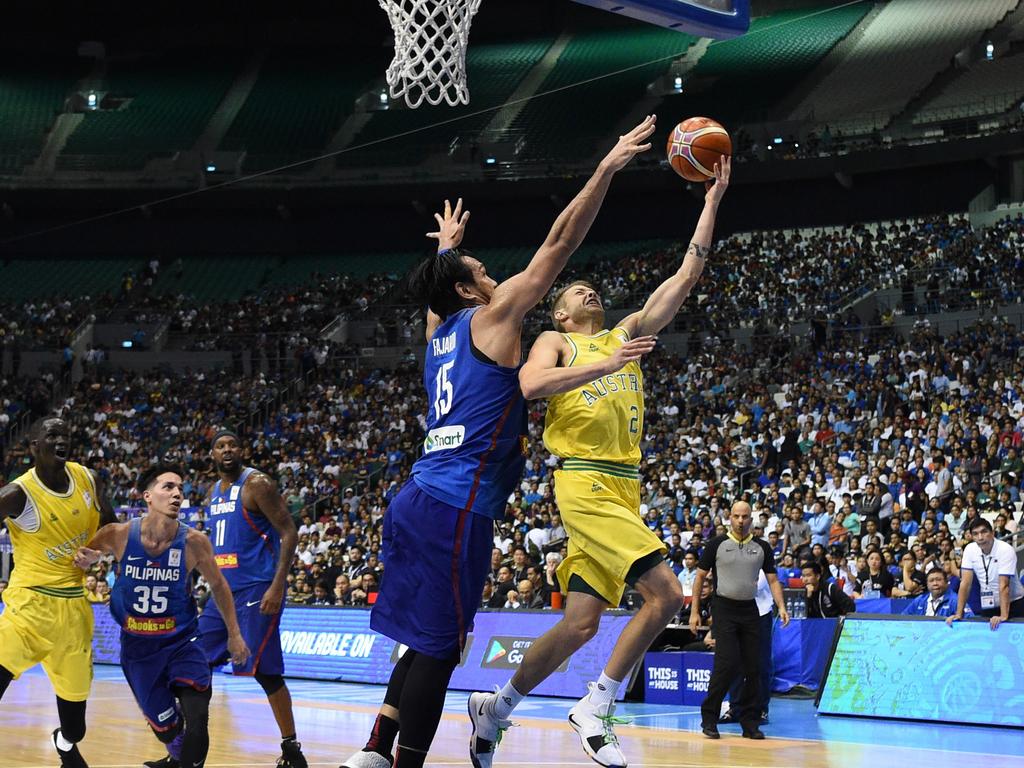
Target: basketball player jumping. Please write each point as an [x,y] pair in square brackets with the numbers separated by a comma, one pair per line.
[153,604]
[438,529]
[595,419]
[51,511]
[254,540]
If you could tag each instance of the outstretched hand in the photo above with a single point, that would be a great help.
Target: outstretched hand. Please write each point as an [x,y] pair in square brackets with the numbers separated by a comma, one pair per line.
[451,226]
[630,145]
[716,187]
[84,558]
[632,350]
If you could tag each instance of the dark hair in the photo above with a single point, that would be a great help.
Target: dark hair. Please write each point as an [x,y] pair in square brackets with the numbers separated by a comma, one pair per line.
[432,281]
[148,477]
[982,523]
[813,566]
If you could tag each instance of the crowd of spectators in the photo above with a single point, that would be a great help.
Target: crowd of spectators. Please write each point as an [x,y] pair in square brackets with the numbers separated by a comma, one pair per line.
[842,449]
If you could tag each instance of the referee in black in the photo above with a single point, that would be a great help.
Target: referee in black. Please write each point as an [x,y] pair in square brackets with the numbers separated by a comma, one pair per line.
[736,559]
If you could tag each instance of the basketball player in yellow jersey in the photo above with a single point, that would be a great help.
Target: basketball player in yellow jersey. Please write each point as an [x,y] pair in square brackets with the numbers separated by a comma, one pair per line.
[51,511]
[594,385]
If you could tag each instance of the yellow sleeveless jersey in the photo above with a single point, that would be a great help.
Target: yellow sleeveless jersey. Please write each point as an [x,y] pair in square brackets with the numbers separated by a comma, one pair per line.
[50,530]
[602,420]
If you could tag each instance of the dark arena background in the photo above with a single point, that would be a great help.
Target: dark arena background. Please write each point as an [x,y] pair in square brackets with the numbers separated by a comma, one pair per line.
[208,212]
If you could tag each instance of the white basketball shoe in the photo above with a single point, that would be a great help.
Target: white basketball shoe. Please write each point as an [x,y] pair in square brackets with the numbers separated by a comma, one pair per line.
[594,723]
[487,730]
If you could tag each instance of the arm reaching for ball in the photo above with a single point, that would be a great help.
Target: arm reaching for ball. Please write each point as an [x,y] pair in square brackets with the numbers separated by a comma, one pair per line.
[664,303]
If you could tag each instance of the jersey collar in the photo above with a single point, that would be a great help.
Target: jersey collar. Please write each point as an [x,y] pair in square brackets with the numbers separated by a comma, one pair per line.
[732,536]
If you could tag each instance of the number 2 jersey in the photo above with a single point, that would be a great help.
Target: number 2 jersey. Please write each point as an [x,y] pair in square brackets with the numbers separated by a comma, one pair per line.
[152,597]
[602,420]
[245,543]
[476,442]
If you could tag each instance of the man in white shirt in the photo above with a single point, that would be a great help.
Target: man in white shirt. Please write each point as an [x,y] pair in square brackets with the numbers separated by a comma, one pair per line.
[994,564]
[689,573]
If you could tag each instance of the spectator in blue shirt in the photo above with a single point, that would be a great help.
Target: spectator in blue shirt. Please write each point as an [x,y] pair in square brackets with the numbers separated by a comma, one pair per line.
[939,600]
[908,526]
[821,524]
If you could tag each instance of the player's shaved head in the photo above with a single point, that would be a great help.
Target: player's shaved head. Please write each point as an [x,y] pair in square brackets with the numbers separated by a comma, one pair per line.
[40,426]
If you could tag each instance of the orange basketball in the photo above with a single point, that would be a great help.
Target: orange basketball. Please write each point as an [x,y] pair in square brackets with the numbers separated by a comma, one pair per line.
[695,145]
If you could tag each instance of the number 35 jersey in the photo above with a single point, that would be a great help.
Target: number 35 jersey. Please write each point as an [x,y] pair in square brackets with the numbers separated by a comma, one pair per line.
[152,597]
[476,442]
[245,543]
[602,420]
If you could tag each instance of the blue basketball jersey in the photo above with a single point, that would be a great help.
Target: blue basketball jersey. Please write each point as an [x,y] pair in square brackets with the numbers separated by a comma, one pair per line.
[152,596]
[244,541]
[475,448]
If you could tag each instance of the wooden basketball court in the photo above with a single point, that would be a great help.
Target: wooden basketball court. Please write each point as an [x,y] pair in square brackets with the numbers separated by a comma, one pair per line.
[333,719]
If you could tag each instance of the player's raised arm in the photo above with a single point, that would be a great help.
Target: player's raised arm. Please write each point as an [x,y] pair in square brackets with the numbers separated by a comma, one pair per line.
[522,292]
[451,228]
[199,555]
[664,303]
[543,376]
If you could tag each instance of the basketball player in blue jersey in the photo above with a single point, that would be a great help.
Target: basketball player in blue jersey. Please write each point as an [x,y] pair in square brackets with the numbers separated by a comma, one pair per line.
[153,604]
[437,535]
[254,540]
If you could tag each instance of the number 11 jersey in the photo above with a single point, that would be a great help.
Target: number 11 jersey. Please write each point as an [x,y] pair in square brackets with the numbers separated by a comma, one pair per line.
[476,442]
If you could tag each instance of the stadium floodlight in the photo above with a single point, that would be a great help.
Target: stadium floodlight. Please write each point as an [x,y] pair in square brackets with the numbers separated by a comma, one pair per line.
[383,97]
[91,100]
[679,83]
[491,161]
[990,51]
[211,168]
[777,140]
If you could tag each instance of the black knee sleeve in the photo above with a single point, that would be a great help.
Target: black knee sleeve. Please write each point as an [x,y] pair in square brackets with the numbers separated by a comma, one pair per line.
[271,684]
[393,697]
[195,706]
[5,679]
[422,700]
[72,719]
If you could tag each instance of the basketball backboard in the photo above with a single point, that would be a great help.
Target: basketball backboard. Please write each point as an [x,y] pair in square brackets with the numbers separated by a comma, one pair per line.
[718,19]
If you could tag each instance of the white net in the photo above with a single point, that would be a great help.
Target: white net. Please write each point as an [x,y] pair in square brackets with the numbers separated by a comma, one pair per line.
[431,37]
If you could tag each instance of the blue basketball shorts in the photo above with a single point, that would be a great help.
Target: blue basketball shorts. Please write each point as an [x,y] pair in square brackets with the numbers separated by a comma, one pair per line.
[153,669]
[260,631]
[436,558]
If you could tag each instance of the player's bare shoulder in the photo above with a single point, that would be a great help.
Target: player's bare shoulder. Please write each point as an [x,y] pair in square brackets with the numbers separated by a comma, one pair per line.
[553,342]
[259,489]
[12,500]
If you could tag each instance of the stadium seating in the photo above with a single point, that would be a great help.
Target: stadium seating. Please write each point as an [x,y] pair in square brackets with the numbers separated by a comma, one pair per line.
[299,270]
[299,100]
[227,279]
[987,88]
[24,279]
[493,73]
[571,124]
[172,100]
[743,79]
[31,95]
[915,38]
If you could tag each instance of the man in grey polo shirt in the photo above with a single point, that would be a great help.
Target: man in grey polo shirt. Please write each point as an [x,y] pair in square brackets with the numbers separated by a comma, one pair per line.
[736,558]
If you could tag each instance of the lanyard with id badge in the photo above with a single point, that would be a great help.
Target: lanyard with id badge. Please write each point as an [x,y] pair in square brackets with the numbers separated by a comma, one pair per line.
[988,593]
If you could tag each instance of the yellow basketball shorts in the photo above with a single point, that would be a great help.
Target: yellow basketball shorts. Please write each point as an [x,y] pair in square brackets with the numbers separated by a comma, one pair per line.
[601,515]
[37,628]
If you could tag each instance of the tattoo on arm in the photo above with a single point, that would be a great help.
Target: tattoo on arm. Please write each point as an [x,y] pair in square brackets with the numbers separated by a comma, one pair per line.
[698,250]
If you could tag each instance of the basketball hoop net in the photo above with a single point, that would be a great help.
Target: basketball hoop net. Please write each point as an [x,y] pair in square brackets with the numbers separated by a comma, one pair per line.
[431,37]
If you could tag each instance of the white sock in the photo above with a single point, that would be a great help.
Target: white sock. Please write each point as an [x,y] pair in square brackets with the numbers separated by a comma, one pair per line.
[605,691]
[63,744]
[505,701]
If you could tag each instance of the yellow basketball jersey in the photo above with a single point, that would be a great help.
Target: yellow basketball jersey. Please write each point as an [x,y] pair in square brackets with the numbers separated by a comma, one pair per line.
[602,420]
[50,530]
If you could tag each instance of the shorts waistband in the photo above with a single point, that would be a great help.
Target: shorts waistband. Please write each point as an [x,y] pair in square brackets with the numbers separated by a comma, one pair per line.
[65,592]
[627,471]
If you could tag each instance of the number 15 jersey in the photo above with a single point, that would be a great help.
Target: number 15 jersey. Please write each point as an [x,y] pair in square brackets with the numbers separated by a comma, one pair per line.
[476,442]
